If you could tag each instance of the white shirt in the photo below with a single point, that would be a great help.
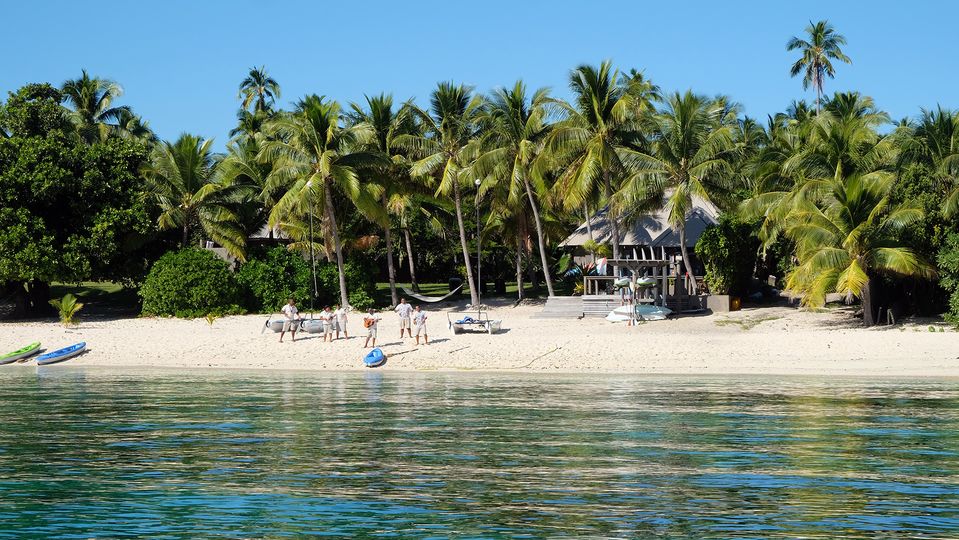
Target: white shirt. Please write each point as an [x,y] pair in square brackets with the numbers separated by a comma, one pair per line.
[340,315]
[419,317]
[326,315]
[290,311]
[404,310]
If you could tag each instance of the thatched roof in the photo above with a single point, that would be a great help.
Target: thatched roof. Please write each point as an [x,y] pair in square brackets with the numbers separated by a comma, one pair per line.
[648,230]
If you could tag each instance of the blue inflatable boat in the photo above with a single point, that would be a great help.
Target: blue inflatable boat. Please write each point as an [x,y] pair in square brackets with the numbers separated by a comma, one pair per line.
[62,354]
[374,358]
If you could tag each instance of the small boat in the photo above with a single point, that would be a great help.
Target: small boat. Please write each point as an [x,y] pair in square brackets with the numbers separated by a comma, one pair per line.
[643,312]
[312,326]
[276,325]
[646,282]
[20,354]
[374,358]
[62,354]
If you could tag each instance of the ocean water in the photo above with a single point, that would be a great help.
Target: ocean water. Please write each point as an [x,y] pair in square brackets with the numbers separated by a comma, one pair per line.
[94,453]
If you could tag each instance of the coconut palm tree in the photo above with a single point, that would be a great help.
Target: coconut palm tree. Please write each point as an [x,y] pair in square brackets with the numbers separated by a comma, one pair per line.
[691,143]
[314,154]
[518,130]
[599,131]
[821,47]
[446,150]
[181,178]
[91,106]
[933,143]
[850,238]
[132,126]
[259,90]
[243,169]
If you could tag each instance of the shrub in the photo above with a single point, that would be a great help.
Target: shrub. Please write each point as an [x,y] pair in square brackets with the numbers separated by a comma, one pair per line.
[67,307]
[359,283]
[269,277]
[190,283]
[728,251]
[948,261]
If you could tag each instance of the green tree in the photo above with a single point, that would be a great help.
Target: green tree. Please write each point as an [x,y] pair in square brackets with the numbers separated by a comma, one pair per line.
[518,131]
[446,151]
[181,179]
[68,211]
[91,106]
[821,47]
[688,159]
[314,153]
[259,90]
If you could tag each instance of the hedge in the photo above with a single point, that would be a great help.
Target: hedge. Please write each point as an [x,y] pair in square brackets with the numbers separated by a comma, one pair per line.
[190,283]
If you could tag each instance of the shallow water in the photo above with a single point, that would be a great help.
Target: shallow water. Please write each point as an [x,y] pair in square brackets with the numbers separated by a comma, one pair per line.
[88,453]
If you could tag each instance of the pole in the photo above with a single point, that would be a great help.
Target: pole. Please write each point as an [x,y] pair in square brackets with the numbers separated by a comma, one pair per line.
[312,256]
[479,253]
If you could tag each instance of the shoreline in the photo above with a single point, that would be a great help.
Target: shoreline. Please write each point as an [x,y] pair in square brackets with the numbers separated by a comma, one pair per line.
[771,341]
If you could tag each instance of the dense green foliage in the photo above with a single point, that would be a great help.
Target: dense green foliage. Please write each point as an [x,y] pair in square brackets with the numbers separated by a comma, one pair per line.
[728,251]
[268,278]
[949,270]
[359,280]
[190,283]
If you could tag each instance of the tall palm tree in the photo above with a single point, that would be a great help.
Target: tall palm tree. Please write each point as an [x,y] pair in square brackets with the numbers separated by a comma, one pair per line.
[447,149]
[91,106]
[132,126]
[600,131]
[818,52]
[392,178]
[849,238]
[259,90]
[181,178]
[314,154]
[243,169]
[689,152]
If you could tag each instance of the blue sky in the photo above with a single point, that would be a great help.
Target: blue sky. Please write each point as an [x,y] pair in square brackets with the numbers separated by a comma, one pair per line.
[180,62]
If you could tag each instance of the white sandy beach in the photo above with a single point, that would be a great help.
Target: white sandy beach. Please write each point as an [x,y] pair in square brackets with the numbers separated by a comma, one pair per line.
[786,341]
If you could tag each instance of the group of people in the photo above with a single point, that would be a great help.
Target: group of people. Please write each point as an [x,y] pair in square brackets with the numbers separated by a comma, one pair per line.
[334,321]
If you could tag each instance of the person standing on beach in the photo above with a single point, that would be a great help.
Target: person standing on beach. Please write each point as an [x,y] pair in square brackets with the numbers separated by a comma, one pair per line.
[339,316]
[327,317]
[419,319]
[292,320]
[404,310]
[370,321]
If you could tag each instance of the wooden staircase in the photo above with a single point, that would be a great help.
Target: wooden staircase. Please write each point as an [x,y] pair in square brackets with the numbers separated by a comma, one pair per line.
[561,307]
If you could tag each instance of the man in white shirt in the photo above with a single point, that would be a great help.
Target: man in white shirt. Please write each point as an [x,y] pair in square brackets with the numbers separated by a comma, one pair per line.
[370,322]
[327,317]
[292,320]
[404,310]
[339,317]
[419,320]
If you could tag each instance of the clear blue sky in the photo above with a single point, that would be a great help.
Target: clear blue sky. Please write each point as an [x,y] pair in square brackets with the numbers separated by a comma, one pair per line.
[180,62]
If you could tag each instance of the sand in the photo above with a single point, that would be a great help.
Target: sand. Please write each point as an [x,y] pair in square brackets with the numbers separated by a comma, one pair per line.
[771,340]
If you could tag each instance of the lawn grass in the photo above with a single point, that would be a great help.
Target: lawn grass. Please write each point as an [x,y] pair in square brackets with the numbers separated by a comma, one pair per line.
[101,297]
[382,296]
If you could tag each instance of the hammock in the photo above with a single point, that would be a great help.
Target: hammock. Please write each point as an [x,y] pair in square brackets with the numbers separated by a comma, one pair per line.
[430,299]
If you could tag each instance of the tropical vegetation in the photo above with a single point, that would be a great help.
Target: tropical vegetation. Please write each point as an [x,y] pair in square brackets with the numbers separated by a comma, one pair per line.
[831,197]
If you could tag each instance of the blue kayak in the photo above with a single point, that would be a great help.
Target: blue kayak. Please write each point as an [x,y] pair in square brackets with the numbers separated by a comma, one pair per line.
[374,358]
[62,354]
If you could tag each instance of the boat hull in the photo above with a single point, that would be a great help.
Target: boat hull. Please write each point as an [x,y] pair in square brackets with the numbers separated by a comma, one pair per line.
[60,355]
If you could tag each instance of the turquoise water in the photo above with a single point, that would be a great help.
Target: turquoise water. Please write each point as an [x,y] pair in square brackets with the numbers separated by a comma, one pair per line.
[85,453]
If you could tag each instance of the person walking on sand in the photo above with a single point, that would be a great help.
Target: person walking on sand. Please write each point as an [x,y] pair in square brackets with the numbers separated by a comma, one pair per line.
[370,321]
[339,316]
[326,316]
[292,320]
[419,320]
[404,310]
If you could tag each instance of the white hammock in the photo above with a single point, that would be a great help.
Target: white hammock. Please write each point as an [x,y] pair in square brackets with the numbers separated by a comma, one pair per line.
[430,299]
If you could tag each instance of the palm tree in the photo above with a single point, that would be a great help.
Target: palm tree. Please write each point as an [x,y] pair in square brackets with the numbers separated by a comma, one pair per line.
[313,154]
[447,149]
[393,177]
[934,144]
[243,169]
[519,128]
[259,90]
[597,136]
[181,178]
[691,144]
[818,52]
[132,126]
[91,101]
[850,238]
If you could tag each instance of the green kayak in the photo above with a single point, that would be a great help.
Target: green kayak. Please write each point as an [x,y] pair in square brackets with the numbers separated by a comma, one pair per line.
[20,354]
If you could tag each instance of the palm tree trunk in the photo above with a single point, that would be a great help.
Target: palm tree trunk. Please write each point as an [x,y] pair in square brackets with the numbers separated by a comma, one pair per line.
[589,229]
[474,298]
[539,238]
[519,265]
[186,234]
[687,266]
[409,257]
[390,269]
[613,222]
[330,215]
[868,311]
